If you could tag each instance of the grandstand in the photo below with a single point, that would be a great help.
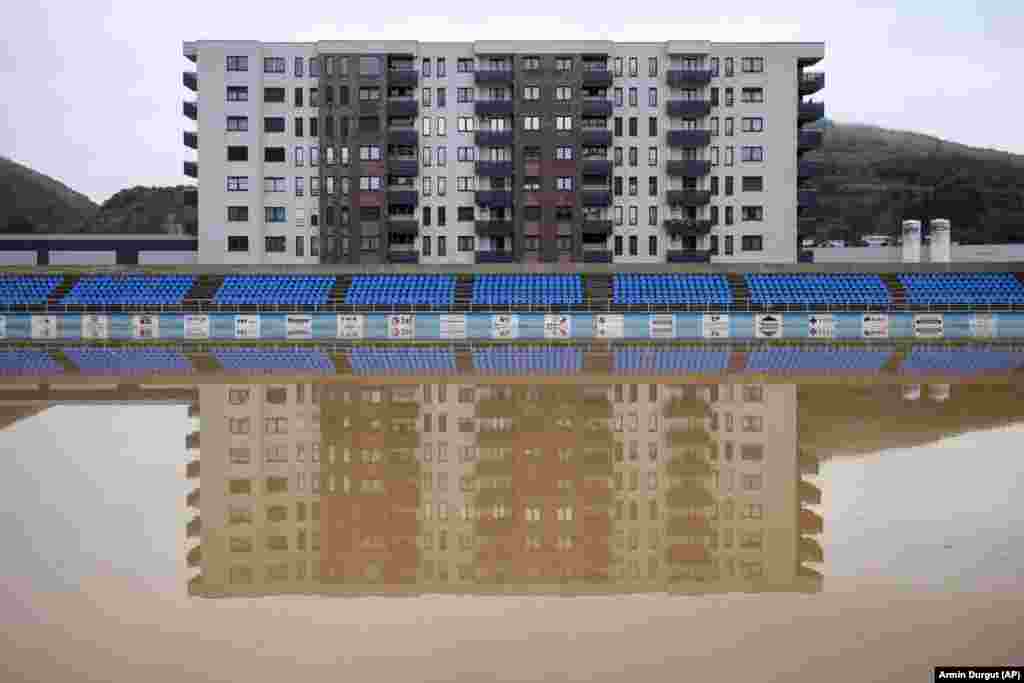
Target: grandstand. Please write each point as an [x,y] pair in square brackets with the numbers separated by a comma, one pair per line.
[414,360]
[693,290]
[28,362]
[384,290]
[652,360]
[519,290]
[257,360]
[830,360]
[129,290]
[528,360]
[965,289]
[128,361]
[818,290]
[27,290]
[970,360]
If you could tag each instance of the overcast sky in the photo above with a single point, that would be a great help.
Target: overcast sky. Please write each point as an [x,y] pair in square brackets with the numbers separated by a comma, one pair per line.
[92,89]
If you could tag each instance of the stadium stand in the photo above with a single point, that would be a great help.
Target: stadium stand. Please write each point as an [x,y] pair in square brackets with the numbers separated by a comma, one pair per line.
[167,290]
[128,361]
[309,290]
[27,290]
[825,360]
[409,360]
[971,360]
[431,290]
[654,360]
[530,360]
[511,290]
[962,288]
[270,360]
[671,289]
[816,290]
[16,362]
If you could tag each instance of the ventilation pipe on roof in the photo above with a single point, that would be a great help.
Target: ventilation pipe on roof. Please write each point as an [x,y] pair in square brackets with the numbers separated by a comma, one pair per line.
[940,240]
[911,241]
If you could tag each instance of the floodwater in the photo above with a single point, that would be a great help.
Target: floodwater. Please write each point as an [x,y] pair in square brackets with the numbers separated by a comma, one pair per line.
[483,527]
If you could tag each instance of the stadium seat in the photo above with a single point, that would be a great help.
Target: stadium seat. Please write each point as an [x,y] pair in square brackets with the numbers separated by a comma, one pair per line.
[271,290]
[270,360]
[540,290]
[825,360]
[433,290]
[405,360]
[128,361]
[530,360]
[814,290]
[98,290]
[27,290]
[27,362]
[671,289]
[970,360]
[659,360]
[930,289]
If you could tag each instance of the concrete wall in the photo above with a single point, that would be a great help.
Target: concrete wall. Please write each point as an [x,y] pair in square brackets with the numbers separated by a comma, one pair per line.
[158,258]
[982,253]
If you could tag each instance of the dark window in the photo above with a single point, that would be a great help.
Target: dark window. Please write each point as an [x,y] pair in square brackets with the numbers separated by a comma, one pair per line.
[753,213]
[238,123]
[426,245]
[442,216]
[652,250]
[563,214]
[531,213]
[618,245]
[617,186]
[633,245]
[729,186]
[238,93]
[273,124]
[238,243]
[238,214]
[714,215]
[442,245]
[465,214]
[299,121]
[714,241]
[238,153]
[426,215]
[274,154]
[274,245]
[714,185]
[729,218]
[343,95]
[714,97]
[652,186]
[753,183]
[633,126]
[314,126]
[298,97]
[752,243]
[273,94]
[618,126]
[369,213]
[238,63]
[728,245]
[652,126]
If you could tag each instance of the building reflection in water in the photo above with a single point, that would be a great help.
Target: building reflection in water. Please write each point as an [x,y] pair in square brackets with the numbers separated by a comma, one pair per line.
[402,489]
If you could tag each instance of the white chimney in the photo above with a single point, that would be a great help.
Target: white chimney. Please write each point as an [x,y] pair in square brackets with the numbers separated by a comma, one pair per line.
[911,241]
[940,244]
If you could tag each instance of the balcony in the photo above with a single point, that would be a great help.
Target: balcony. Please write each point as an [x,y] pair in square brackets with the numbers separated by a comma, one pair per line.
[688,78]
[191,139]
[689,227]
[494,169]
[688,139]
[808,169]
[689,109]
[403,106]
[192,197]
[806,199]
[688,256]
[494,138]
[597,226]
[495,256]
[493,107]
[809,139]
[192,169]
[406,225]
[404,137]
[597,106]
[689,168]
[689,197]
[494,76]
[595,137]
[597,256]
[497,228]
[403,197]
[598,167]
[597,198]
[191,80]
[811,82]
[403,256]
[403,168]
[403,77]
[810,111]
[596,78]
[190,109]
[494,198]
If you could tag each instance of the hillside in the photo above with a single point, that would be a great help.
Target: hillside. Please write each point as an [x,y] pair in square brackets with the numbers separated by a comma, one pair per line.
[33,202]
[874,178]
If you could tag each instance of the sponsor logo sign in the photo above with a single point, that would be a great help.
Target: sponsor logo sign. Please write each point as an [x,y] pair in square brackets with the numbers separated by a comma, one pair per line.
[715,325]
[768,325]
[505,326]
[557,327]
[298,326]
[874,326]
[609,326]
[929,325]
[453,326]
[247,326]
[145,327]
[821,326]
[197,326]
[44,327]
[662,326]
[351,326]
[3,327]
[401,326]
[95,326]
[984,325]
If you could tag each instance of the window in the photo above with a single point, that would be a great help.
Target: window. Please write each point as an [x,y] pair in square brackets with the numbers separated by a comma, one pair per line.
[442,212]
[466,244]
[370,66]
[465,213]
[715,156]
[563,64]
[617,125]
[652,67]
[425,69]
[369,152]
[369,183]
[633,156]
[618,245]
[563,183]
[652,187]
[300,186]
[424,98]
[617,154]
[652,156]
[442,97]
[531,123]
[563,93]
[634,66]
[531,63]
[563,123]
[752,213]
[752,95]
[652,216]
[752,242]
[275,245]
[238,93]
[238,183]
[238,123]
[728,221]
[632,97]
[563,153]
[633,248]
[238,153]
[428,184]
[238,214]
[238,63]
[427,125]
[314,124]
[652,250]
[530,92]
[652,97]
[617,186]
[752,65]
[314,67]
[273,65]
[299,126]
[729,99]
[714,221]
[714,67]
[730,156]
[274,155]
[273,95]
[463,95]
[464,124]
[752,183]
[729,186]
[465,184]
[618,66]
[442,127]
[714,185]
[714,97]
[273,124]
[314,186]
[426,244]
[632,186]
[752,153]
[426,216]
[729,67]
[752,124]
[632,221]
[238,243]
[441,67]
[633,126]
[730,125]
[274,214]
[300,218]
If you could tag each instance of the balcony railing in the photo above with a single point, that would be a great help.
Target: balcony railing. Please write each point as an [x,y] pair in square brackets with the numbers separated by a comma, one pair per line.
[688,139]
[685,78]
[496,198]
[493,107]
[809,139]
[688,226]
[494,228]
[192,169]
[403,168]
[403,77]
[494,75]
[688,256]
[190,109]
[494,169]
[598,167]
[406,137]
[494,138]
[811,82]
[597,106]
[810,111]
[191,80]
[191,139]
[689,197]
[690,109]
[495,256]
[597,226]
[691,168]
[596,137]
[403,226]
[403,197]
[597,77]
[403,106]
[597,198]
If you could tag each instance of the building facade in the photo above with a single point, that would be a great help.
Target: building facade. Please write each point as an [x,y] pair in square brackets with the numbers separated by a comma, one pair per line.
[495,151]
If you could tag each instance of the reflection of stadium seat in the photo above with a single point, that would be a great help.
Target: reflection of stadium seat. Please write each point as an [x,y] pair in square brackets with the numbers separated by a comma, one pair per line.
[27,290]
[545,290]
[962,288]
[414,360]
[129,289]
[517,360]
[243,359]
[818,289]
[671,289]
[309,290]
[435,290]
[826,360]
[28,362]
[128,361]
[654,360]
[923,360]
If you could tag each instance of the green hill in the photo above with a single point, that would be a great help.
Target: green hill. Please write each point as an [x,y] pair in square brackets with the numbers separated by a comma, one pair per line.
[33,202]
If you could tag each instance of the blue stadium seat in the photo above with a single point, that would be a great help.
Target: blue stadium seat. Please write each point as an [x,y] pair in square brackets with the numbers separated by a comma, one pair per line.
[128,361]
[528,360]
[98,290]
[971,360]
[27,362]
[433,290]
[307,290]
[825,360]
[24,290]
[270,360]
[928,289]
[671,289]
[670,360]
[413,360]
[546,290]
[810,290]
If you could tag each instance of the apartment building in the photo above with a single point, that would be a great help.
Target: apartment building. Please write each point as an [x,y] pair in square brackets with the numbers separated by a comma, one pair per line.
[501,151]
